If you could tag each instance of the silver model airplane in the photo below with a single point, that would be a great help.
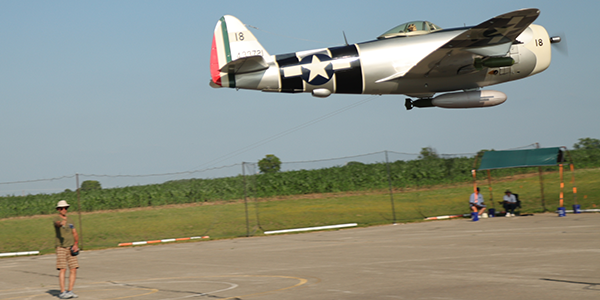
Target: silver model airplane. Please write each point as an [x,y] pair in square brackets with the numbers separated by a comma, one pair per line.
[417,59]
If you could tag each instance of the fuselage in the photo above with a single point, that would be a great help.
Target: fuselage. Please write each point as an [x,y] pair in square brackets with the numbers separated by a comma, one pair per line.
[360,68]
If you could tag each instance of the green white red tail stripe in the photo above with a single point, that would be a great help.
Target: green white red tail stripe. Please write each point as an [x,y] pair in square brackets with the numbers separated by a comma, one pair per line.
[220,54]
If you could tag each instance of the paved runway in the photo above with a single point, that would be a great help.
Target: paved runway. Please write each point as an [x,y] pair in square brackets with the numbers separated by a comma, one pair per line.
[536,257]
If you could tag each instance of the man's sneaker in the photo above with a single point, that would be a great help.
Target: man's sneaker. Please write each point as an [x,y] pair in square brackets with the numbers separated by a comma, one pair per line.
[64,295]
[71,294]
[484,215]
[507,214]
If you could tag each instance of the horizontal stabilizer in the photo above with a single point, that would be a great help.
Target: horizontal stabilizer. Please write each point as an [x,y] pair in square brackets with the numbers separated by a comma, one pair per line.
[213,85]
[245,65]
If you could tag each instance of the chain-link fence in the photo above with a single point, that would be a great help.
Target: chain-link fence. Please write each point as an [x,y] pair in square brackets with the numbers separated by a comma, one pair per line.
[238,200]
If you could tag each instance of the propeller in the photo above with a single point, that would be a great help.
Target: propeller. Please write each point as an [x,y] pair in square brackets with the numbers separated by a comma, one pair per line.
[560,43]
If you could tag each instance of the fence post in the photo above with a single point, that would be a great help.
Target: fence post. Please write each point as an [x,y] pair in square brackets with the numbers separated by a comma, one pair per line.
[387,163]
[246,199]
[489,175]
[537,146]
[80,233]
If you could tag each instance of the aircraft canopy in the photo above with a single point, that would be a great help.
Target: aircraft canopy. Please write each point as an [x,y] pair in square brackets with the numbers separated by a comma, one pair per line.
[409,29]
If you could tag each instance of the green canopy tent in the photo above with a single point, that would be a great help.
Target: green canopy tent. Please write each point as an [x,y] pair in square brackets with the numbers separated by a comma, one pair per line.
[526,158]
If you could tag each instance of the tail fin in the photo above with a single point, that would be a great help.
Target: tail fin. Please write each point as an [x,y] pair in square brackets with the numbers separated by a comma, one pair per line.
[234,50]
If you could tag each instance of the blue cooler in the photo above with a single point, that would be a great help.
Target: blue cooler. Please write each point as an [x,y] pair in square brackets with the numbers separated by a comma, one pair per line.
[562,212]
[576,208]
[474,216]
[492,212]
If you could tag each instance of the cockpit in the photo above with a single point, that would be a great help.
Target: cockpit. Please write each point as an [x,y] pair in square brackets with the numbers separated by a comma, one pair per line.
[410,29]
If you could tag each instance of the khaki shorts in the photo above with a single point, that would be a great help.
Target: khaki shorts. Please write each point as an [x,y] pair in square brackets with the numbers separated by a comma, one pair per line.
[64,257]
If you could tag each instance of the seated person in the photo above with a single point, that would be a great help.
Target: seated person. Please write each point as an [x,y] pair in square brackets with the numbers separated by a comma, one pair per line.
[509,203]
[412,27]
[476,203]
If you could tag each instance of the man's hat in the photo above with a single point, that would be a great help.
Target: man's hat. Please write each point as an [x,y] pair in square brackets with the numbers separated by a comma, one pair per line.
[508,191]
[62,203]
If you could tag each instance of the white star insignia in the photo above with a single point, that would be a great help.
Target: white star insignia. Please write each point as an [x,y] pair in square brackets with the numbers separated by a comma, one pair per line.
[316,68]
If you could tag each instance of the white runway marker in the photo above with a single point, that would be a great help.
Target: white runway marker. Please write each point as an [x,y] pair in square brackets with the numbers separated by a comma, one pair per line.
[19,253]
[312,228]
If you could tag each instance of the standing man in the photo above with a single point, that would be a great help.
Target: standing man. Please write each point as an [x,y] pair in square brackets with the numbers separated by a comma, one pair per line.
[67,242]
[476,203]
[509,203]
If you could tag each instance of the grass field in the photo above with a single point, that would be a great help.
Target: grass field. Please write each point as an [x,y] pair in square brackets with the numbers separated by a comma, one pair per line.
[228,220]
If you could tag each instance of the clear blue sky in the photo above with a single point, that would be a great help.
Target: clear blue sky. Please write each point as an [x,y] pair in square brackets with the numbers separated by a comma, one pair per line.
[121,87]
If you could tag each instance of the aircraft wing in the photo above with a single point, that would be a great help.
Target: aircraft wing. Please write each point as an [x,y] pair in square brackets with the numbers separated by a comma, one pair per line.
[493,37]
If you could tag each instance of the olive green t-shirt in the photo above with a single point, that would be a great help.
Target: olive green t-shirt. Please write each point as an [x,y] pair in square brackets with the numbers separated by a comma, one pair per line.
[64,234]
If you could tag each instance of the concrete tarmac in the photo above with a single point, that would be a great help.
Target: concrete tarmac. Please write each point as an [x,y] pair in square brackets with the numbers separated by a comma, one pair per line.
[535,257]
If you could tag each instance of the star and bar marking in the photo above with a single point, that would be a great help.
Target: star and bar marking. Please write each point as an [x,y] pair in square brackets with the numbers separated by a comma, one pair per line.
[317,69]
